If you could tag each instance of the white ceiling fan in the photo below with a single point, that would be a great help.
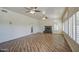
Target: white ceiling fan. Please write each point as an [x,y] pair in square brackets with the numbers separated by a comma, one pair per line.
[32,10]
[44,16]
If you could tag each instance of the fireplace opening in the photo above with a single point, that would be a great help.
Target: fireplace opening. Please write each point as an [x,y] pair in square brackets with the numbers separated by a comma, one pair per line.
[48,29]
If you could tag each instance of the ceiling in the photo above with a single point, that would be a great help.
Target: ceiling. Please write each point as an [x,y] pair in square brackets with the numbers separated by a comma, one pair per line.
[50,12]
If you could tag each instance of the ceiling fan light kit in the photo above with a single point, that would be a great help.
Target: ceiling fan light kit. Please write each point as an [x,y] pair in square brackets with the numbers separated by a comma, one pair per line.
[32,12]
[45,18]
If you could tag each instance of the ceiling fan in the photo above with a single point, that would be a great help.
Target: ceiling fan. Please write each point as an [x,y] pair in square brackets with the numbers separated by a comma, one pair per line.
[32,10]
[45,17]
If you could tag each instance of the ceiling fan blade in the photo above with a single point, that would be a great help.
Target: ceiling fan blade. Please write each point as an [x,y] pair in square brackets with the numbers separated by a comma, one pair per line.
[31,7]
[37,11]
[27,11]
[27,8]
[35,7]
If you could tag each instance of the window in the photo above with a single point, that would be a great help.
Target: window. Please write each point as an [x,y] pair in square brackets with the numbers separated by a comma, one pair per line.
[56,27]
[71,27]
[77,27]
[66,26]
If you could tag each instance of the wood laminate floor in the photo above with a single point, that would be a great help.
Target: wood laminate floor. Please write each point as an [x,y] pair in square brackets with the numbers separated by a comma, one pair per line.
[39,42]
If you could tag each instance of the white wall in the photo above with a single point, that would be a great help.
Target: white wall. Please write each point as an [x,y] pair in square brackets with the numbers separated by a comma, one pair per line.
[14,25]
[21,25]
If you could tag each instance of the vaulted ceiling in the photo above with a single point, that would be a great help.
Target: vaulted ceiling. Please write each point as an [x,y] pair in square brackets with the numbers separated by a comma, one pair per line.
[50,12]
